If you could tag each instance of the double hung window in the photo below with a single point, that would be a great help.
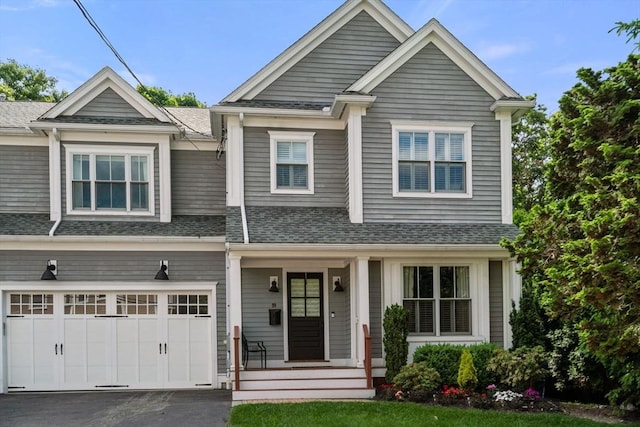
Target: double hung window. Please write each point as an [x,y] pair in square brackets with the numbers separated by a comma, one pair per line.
[438,299]
[113,180]
[291,162]
[431,159]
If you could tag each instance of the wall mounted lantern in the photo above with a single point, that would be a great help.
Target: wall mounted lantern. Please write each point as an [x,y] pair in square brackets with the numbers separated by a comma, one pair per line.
[50,273]
[337,286]
[162,274]
[273,284]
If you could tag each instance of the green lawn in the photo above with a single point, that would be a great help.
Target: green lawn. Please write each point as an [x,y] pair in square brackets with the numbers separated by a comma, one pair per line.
[388,414]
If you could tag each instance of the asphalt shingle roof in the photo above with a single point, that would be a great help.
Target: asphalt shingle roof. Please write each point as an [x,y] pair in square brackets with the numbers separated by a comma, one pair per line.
[18,114]
[332,226]
[107,120]
[180,226]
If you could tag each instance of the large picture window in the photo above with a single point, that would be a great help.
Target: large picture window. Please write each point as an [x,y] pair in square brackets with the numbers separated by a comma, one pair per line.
[431,159]
[291,162]
[438,299]
[109,180]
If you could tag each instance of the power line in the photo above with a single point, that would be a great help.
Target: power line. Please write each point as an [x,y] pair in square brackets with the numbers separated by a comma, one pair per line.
[105,39]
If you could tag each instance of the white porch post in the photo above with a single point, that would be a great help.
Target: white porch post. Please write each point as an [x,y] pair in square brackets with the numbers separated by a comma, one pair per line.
[362,305]
[234,302]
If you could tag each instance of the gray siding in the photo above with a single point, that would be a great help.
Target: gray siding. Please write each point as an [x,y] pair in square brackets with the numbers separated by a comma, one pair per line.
[108,104]
[329,161]
[340,325]
[336,63]
[496,328]
[431,87]
[24,179]
[256,302]
[375,307]
[63,183]
[197,183]
[112,265]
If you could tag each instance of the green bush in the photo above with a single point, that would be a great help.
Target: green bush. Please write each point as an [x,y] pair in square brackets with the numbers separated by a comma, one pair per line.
[417,381]
[467,378]
[519,368]
[395,342]
[445,358]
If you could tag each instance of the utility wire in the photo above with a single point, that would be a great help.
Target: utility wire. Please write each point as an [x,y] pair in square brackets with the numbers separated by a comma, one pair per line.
[105,39]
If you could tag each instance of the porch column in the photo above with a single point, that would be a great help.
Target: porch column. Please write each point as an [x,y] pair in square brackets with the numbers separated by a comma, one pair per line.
[362,305]
[234,302]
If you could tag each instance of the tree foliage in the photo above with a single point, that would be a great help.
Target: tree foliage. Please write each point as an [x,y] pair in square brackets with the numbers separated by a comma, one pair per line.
[21,82]
[160,96]
[582,248]
[395,342]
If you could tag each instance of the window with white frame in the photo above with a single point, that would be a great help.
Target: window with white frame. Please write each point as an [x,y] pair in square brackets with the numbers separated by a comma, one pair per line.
[438,299]
[431,159]
[110,180]
[292,162]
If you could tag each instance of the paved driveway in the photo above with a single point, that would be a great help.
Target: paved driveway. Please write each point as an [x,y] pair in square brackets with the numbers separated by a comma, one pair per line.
[191,408]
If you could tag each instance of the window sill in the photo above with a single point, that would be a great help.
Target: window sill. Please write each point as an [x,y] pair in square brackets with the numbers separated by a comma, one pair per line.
[109,213]
[416,338]
[291,191]
[422,195]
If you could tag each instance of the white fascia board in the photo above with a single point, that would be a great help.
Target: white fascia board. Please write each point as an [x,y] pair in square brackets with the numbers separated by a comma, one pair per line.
[96,85]
[90,285]
[162,129]
[302,251]
[283,62]
[434,32]
[22,132]
[515,107]
[294,123]
[279,112]
[24,140]
[194,145]
[112,243]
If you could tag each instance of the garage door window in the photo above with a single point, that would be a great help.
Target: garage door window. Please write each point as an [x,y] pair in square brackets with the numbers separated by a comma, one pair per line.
[29,304]
[188,304]
[85,304]
[140,304]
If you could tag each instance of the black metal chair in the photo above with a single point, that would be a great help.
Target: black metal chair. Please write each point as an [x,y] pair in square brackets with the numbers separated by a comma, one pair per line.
[253,347]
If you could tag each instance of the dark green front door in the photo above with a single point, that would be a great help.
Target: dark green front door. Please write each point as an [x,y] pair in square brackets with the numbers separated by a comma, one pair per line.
[306,323]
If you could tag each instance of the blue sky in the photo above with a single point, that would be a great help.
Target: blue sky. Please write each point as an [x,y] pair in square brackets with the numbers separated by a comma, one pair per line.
[210,47]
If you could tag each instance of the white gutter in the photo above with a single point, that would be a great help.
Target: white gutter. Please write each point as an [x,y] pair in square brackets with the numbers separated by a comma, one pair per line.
[245,227]
[243,212]
[55,226]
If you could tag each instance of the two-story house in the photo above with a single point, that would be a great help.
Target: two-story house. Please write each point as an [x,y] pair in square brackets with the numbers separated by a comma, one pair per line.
[367,165]
[112,229]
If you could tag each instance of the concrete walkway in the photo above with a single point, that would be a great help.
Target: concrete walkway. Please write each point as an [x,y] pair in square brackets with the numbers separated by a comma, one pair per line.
[191,408]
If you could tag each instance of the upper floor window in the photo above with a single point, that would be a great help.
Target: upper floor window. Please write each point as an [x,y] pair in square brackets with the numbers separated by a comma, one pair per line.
[438,299]
[109,180]
[292,162]
[431,159]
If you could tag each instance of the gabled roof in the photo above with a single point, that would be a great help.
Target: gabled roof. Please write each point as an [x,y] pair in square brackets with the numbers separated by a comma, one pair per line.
[434,32]
[283,62]
[105,79]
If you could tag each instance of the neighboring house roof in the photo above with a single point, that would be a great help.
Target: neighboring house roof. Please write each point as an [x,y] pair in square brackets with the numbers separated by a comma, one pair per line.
[180,226]
[16,115]
[283,62]
[332,226]
[198,120]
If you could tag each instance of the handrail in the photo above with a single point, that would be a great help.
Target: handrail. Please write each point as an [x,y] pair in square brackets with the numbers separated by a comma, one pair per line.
[236,356]
[367,356]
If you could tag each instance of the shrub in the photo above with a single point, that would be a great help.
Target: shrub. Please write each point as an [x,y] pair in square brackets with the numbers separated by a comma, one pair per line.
[417,380]
[395,340]
[519,368]
[467,378]
[445,359]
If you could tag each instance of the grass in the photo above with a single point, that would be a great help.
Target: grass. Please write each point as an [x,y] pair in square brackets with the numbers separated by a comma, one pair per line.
[388,414]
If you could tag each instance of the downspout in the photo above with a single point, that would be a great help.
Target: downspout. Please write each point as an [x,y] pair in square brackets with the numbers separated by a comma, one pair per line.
[243,212]
[54,156]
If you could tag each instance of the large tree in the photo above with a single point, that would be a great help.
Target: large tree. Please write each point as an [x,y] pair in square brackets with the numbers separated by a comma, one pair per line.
[583,248]
[160,96]
[21,82]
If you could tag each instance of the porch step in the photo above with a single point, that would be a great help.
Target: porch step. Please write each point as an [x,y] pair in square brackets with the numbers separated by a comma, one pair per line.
[303,383]
[300,373]
[306,393]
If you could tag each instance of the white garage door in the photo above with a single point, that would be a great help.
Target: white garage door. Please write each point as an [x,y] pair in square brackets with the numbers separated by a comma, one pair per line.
[88,341]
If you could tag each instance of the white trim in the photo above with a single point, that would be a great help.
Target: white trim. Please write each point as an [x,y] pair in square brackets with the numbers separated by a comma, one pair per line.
[277,67]
[23,140]
[55,187]
[112,243]
[245,226]
[103,79]
[354,133]
[107,286]
[432,127]
[307,138]
[297,264]
[92,151]
[434,32]
[506,182]
[198,145]
[235,161]
[102,128]
[164,168]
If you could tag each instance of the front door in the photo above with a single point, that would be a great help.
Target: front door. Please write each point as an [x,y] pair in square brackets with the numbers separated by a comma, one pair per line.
[306,323]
